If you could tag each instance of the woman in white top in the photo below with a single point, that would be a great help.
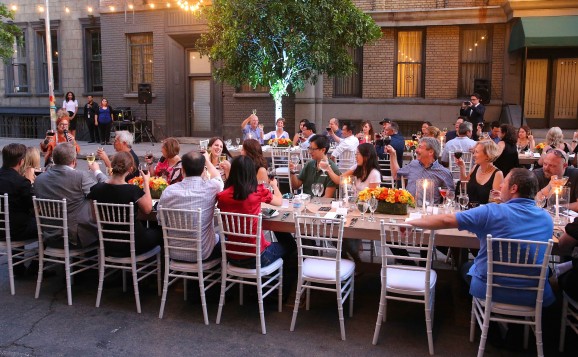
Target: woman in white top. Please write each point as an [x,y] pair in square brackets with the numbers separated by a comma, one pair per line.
[366,170]
[279,133]
[70,104]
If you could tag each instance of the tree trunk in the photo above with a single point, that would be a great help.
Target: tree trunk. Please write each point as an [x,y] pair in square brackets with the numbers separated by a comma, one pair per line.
[278,108]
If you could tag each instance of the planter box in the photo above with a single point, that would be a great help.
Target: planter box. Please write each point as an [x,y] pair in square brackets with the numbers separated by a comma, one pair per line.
[391,208]
[156,194]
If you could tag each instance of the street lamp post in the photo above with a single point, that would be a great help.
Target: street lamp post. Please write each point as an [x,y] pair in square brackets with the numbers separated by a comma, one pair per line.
[49,67]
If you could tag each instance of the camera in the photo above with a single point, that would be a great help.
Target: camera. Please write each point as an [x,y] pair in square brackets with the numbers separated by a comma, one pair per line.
[467,103]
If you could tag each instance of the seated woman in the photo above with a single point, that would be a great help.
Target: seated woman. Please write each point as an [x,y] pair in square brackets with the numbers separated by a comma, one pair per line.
[555,140]
[366,135]
[525,139]
[169,164]
[116,190]
[278,133]
[252,149]
[31,164]
[242,194]
[507,152]
[484,176]
[217,149]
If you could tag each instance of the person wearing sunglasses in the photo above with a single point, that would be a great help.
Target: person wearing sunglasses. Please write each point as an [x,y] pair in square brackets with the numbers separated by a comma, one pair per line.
[556,164]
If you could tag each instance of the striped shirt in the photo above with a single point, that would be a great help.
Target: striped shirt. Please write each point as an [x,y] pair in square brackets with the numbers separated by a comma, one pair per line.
[415,170]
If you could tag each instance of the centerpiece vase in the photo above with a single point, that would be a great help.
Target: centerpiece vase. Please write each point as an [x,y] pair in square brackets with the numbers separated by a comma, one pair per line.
[391,208]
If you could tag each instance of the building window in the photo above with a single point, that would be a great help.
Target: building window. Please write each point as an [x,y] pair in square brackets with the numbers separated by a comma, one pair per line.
[93,60]
[409,67]
[17,68]
[474,59]
[350,86]
[140,56]
[43,68]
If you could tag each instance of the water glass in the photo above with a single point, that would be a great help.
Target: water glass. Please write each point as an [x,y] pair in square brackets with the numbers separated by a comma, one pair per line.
[463,200]
[372,207]
[362,207]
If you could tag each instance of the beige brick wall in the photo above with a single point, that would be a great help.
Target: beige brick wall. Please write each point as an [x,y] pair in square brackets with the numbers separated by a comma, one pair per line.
[378,67]
[498,50]
[442,62]
[385,5]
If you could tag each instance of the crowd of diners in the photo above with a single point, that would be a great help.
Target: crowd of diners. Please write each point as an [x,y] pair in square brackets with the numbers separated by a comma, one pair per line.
[202,179]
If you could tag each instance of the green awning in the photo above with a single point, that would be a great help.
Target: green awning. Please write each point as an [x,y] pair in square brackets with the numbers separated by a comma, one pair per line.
[546,31]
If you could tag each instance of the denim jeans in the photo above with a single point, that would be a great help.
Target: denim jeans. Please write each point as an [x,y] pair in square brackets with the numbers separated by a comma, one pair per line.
[268,256]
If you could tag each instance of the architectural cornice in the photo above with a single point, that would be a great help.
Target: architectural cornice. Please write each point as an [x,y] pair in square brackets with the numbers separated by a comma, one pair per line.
[446,16]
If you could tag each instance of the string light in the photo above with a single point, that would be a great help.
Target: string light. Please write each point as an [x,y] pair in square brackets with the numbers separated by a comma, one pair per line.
[40,8]
[131,6]
[90,10]
[14,8]
[189,5]
[67,10]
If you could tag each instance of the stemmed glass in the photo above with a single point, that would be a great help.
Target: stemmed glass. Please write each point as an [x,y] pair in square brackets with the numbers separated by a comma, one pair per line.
[317,189]
[90,158]
[443,192]
[450,197]
[463,200]
[323,166]
[372,207]
[238,141]
[362,207]
[228,143]
[295,160]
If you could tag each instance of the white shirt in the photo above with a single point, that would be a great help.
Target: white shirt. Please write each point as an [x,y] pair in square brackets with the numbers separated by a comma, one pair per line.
[70,105]
[349,143]
[460,143]
[273,135]
[373,177]
[192,193]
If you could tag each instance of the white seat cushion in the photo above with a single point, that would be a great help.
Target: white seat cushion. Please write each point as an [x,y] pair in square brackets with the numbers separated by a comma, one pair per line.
[409,280]
[234,270]
[192,267]
[325,269]
[282,171]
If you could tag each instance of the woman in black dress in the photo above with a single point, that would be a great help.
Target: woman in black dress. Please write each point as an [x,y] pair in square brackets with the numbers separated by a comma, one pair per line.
[508,153]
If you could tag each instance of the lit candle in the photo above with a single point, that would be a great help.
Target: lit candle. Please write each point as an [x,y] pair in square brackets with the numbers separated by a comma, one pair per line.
[424,193]
[346,198]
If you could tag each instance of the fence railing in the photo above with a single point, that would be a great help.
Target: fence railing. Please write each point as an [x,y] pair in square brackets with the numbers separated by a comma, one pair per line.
[34,127]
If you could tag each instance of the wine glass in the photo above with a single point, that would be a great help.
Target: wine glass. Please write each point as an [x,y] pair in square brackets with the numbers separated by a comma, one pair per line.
[450,197]
[386,140]
[323,165]
[558,181]
[203,146]
[362,206]
[372,207]
[90,158]
[144,168]
[295,160]
[443,192]
[463,200]
[238,141]
[458,155]
[317,189]
[271,173]
[222,158]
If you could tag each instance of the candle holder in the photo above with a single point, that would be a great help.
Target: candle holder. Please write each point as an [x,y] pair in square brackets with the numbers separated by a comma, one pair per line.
[346,190]
[424,194]
[558,204]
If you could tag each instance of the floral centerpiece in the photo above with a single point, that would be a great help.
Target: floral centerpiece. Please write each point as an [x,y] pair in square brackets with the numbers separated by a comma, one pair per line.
[410,145]
[389,200]
[540,147]
[280,142]
[156,184]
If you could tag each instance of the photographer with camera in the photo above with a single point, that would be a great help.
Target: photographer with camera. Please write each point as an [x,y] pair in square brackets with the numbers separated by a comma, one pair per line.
[474,111]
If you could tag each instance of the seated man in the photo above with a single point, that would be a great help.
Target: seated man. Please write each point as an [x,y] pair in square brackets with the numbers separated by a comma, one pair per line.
[195,192]
[556,163]
[19,190]
[454,133]
[311,172]
[309,131]
[516,218]
[63,181]
[426,166]
[334,134]
[251,128]
[462,143]
[123,141]
[348,143]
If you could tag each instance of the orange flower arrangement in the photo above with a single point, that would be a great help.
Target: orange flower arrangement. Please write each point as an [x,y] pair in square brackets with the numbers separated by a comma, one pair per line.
[281,142]
[391,195]
[155,183]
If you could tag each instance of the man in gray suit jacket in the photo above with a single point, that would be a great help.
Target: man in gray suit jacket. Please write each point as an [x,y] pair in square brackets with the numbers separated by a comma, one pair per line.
[63,181]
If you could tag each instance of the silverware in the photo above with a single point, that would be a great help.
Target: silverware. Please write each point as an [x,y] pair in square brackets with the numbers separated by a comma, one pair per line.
[353,221]
[285,215]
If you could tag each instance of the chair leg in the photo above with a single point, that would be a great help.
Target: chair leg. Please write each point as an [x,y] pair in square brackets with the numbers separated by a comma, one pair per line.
[260,302]
[428,325]
[380,314]
[483,338]
[185,292]
[159,274]
[203,297]
[135,288]
[351,290]
[241,292]
[68,279]
[123,281]
[340,310]
[307,297]
[280,291]
[165,289]
[101,272]
[40,275]
[298,292]
[10,269]
[527,336]
[563,324]
[222,297]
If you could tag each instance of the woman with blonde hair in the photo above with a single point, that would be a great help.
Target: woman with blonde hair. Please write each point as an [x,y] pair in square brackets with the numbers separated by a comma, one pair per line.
[31,163]
[554,139]
[484,176]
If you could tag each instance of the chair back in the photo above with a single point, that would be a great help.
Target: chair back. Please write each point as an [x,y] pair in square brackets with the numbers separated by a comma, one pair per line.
[51,219]
[280,157]
[319,238]
[467,157]
[346,160]
[4,218]
[516,266]
[115,224]
[404,237]
[240,235]
[385,171]
[182,233]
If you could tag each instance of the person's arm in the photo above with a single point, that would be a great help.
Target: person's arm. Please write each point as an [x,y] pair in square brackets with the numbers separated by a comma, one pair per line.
[329,192]
[246,121]
[442,221]
[498,178]
[145,203]
[335,177]
[501,146]
[531,142]
[566,244]
[75,110]
[336,138]
[479,109]
[295,181]
[393,160]
[104,157]
[277,199]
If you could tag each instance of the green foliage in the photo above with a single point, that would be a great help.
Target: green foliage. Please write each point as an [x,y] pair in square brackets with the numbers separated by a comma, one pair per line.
[284,43]
[8,32]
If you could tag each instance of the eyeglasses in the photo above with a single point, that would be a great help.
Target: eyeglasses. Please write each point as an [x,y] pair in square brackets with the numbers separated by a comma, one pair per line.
[63,124]
[558,153]
[312,149]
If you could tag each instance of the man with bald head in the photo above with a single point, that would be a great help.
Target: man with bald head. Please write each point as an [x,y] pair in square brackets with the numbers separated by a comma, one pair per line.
[193,192]
[556,163]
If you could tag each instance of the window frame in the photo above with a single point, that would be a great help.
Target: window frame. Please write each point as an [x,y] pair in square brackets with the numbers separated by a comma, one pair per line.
[133,87]
[40,57]
[462,91]
[17,60]
[90,25]
[396,63]
[356,76]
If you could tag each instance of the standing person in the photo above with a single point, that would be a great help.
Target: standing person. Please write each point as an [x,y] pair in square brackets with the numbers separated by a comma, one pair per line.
[251,128]
[103,120]
[90,112]
[122,142]
[474,111]
[279,132]
[366,135]
[333,133]
[298,138]
[61,136]
[508,154]
[70,104]
[516,218]
[396,140]
[116,190]
[483,176]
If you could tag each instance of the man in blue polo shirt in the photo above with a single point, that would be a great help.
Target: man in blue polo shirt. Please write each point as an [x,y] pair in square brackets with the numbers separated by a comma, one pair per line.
[517,218]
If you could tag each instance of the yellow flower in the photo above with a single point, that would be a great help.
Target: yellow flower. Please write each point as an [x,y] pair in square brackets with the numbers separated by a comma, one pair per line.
[390,195]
